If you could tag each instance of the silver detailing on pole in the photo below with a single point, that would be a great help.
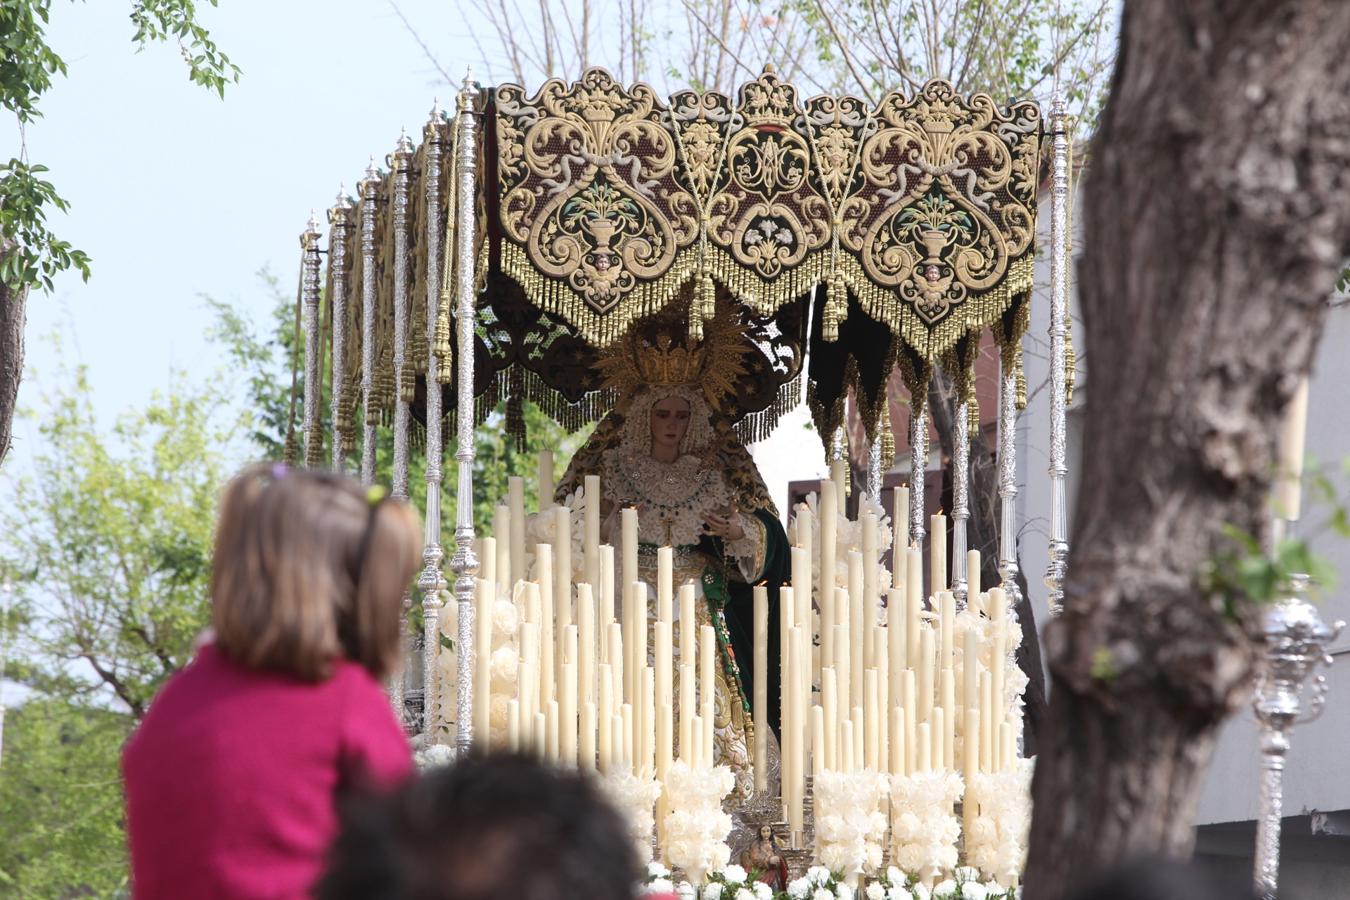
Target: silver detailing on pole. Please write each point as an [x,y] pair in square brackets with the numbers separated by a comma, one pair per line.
[340,219]
[309,293]
[1007,484]
[368,187]
[1059,317]
[1294,642]
[465,562]
[960,499]
[432,580]
[918,469]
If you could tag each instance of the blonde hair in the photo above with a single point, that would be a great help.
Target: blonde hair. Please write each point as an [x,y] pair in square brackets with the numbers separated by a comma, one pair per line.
[308,569]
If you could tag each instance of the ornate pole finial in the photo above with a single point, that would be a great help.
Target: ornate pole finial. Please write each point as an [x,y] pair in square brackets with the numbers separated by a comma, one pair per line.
[1294,642]
[372,170]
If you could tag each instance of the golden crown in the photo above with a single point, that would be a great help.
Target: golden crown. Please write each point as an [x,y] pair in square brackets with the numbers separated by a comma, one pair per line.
[668,363]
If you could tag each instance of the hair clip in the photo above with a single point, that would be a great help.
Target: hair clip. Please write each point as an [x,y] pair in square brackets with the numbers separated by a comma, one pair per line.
[376,493]
[280,470]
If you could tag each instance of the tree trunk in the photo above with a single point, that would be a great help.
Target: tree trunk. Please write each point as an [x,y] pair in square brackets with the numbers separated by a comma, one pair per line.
[12,307]
[1216,214]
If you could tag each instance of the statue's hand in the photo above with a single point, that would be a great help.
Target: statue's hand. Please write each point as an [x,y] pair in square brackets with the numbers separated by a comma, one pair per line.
[727,527]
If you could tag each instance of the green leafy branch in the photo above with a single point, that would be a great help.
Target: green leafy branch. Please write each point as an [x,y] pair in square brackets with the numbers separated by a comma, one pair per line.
[1246,573]
[30,252]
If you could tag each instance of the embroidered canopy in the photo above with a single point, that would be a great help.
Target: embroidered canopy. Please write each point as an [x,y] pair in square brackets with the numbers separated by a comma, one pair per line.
[601,209]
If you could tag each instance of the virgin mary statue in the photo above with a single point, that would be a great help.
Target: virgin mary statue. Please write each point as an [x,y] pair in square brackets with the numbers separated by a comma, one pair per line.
[669,451]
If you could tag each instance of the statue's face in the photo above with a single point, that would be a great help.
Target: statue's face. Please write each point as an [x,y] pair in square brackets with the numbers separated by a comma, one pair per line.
[670,422]
[765,832]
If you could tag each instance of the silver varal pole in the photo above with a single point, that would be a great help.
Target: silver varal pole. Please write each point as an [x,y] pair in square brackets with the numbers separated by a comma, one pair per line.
[465,561]
[1059,320]
[309,294]
[874,472]
[339,217]
[400,163]
[432,581]
[960,499]
[370,416]
[1007,485]
[918,469]
[1294,642]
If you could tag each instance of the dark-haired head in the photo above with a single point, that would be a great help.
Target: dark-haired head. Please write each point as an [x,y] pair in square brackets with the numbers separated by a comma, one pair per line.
[310,567]
[485,828]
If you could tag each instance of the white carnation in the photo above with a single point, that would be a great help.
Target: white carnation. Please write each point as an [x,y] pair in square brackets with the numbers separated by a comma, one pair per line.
[898,893]
[661,886]
[763,891]
[818,874]
[973,890]
[734,874]
[821,893]
[944,890]
[712,891]
[799,888]
[745,894]
[656,870]
[505,618]
[876,892]
[895,876]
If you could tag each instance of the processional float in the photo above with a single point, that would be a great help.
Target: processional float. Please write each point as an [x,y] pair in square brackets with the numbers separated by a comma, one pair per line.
[496,262]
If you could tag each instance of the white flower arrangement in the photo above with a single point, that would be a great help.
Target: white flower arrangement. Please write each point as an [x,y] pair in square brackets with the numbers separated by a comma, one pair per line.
[819,883]
[635,798]
[696,827]
[728,883]
[997,843]
[924,827]
[432,756]
[964,884]
[850,826]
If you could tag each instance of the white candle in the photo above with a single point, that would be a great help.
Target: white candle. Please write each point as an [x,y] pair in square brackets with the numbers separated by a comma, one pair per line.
[900,522]
[926,679]
[648,720]
[501,530]
[947,687]
[482,670]
[696,745]
[857,627]
[909,703]
[846,748]
[626,727]
[805,539]
[539,742]
[605,717]
[914,598]
[641,635]
[664,647]
[828,525]
[628,528]
[939,728]
[551,716]
[871,730]
[664,586]
[586,656]
[938,549]
[513,725]
[896,642]
[562,569]
[897,761]
[785,622]
[972,576]
[515,492]
[487,553]
[543,558]
[616,667]
[924,737]
[1293,434]
[606,592]
[839,475]
[527,687]
[590,539]
[586,744]
[795,753]
[707,687]
[688,707]
[545,479]
[829,701]
[870,565]
[761,699]
[999,662]
[567,716]
[843,669]
[882,642]
[947,626]
[817,741]
[986,724]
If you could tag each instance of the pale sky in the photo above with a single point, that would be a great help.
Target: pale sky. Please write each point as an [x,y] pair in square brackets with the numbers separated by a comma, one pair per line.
[176,193]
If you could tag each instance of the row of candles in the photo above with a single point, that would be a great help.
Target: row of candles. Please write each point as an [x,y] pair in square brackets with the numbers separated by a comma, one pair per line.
[862,686]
